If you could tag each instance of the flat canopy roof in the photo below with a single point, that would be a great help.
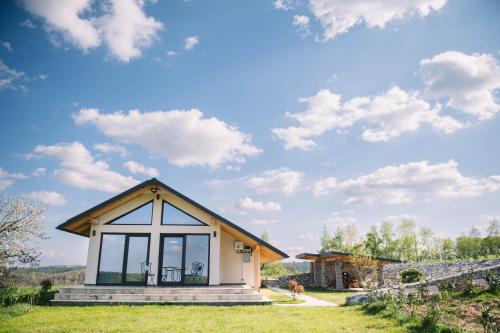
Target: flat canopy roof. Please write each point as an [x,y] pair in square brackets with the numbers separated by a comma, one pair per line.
[80,224]
[341,256]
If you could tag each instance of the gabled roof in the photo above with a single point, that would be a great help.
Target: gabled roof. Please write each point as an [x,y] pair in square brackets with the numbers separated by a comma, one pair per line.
[341,256]
[153,182]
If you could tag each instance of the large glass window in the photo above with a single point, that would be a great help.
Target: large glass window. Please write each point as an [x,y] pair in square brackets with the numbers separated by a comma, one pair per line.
[123,258]
[174,216]
[184,259]
[140,215]
[111,261]
[196,259]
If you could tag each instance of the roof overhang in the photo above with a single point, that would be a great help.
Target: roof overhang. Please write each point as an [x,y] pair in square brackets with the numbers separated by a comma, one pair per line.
[81,223]
[341,256]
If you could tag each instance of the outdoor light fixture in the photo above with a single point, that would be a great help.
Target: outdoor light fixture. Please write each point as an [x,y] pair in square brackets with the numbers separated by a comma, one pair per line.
[215,234]
[93,232]
[154,189]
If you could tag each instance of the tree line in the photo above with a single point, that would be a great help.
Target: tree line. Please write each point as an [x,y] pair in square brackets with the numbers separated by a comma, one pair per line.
[409,243]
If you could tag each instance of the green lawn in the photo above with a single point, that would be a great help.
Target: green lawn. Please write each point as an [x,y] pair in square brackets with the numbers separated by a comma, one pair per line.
[196,319]
[337,297]
[279,298]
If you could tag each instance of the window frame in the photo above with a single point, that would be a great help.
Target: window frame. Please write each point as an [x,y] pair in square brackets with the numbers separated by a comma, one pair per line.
[133,210]
[123,281]
[203,224]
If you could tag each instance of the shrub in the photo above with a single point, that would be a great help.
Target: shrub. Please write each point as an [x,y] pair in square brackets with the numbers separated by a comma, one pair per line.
[467,283]
[430,320]
[487,320]
[493,280]
[411,275]
[8,295]
[447,285]
[45,285]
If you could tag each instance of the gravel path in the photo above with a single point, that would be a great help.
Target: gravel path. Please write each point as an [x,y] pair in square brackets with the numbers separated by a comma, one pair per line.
[309,301]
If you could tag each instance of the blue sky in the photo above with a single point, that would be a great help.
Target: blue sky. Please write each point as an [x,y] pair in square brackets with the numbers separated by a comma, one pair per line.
[282,116]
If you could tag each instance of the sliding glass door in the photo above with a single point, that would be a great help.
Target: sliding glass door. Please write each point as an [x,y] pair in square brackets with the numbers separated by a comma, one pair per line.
[122,259]
[184,259]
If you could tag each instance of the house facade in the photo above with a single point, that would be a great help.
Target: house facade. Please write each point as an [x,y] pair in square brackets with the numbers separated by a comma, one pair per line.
[153,235]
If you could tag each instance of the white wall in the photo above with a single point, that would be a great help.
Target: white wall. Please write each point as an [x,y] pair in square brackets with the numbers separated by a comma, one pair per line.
[232,267]
[155,229]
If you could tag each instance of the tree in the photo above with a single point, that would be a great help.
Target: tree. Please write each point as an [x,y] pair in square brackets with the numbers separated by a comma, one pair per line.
[20,227]
[494,228]
[373,242]
[408,247]
[265,237]
[447,249]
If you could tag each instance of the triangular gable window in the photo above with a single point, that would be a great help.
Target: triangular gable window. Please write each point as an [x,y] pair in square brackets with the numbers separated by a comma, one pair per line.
[174,216]
[141,215]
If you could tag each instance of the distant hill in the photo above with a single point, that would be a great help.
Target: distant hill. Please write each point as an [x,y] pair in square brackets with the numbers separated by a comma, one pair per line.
[296,267]
[60,275]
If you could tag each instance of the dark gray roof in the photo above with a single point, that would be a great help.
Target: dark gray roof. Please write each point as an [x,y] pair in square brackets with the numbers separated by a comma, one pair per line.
[337,253]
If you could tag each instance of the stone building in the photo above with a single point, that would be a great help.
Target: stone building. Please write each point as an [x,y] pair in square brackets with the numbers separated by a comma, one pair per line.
[336,270]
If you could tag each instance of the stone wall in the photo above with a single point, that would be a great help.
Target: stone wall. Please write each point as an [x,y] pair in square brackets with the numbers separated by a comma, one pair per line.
[438,271]
[305,279]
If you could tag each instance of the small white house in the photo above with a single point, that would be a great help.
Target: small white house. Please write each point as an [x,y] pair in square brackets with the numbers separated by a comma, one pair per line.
[153,235]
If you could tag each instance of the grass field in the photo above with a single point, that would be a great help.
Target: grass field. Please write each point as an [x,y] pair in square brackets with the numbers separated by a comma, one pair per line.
[337,297]
[195,319]
[278,298]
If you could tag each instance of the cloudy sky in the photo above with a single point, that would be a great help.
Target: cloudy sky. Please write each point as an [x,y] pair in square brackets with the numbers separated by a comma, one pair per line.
[280,115]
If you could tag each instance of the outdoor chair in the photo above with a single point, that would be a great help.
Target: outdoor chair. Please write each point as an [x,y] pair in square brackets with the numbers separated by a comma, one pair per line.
[149,279]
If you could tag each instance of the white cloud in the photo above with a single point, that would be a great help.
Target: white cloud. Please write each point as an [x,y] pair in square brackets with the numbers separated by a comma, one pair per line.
[49,198]
[65,17]
[490,217]
[172,53]
[136,167]
[286,4]
[338,16]
[387,116]
[7,178]
[191,42]
[198,141]
[323,186]
[341,218]
[127,29]
[302,22]
[123,26]
[11,78]
[7,46]
[78,168]
[308,236]
[39,172]
[295,249]
[466,82]
[248,204]
[263,222]
[109,148]
[281,180]
[401,217]
[27,24]
[413,181]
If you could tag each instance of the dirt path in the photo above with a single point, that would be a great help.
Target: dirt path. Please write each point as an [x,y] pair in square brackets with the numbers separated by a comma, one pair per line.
[309,301]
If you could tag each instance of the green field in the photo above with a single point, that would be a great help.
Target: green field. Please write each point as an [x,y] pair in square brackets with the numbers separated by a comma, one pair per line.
[337,297]
[195,319]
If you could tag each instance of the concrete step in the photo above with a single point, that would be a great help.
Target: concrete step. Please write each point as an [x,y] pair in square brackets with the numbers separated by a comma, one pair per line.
[263,301]
[159,297]
[156,290]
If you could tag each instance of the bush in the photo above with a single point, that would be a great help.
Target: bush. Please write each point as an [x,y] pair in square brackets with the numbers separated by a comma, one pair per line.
[487,320]
[493,280]
[467,283]
[45,285]
[430,320]
[411,275]
[8,295]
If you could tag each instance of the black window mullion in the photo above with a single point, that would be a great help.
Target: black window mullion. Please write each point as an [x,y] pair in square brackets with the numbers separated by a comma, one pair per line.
[183,272]
[125,259]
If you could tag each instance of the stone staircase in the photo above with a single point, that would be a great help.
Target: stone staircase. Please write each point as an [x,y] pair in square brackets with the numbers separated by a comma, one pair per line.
[213,295]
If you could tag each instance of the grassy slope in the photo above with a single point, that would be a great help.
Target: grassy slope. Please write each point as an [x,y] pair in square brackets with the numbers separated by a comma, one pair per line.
[337,297]
[196,319]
